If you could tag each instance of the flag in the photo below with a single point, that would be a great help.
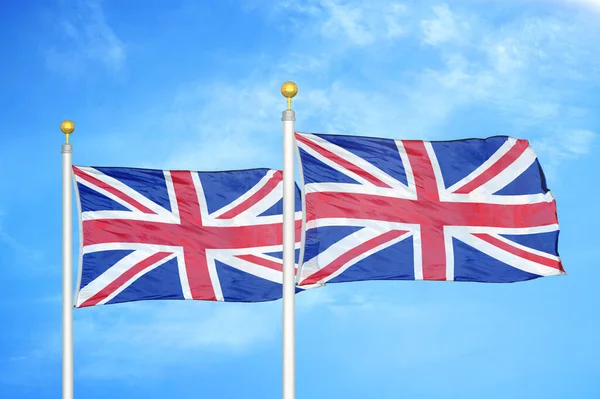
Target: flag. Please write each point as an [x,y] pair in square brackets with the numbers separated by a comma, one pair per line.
[154,234]
[466,210]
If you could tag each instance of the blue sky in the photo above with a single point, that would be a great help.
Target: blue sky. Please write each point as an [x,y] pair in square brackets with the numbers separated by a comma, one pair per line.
[195,85]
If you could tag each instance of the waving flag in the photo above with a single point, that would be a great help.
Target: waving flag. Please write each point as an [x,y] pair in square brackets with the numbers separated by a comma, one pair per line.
[154,234]
[467,210]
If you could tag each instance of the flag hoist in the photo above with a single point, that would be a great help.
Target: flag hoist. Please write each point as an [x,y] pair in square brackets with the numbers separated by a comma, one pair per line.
[67,127]
[289,90]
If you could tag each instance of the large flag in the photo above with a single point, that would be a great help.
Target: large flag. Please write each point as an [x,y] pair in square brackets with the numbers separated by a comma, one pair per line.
[154,234]
[465,210]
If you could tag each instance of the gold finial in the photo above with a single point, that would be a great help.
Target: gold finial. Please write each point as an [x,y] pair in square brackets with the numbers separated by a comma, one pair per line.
[67,127]
[289,90]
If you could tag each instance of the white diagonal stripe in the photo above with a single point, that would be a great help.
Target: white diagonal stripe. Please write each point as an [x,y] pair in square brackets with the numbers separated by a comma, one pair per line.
[251,268]
[524,248]
[338,249]
[264,203]
[123,188]
[350,157]
[509,174]
[507,257]
[116,271]
[106,194]
[261,183]
[504,148]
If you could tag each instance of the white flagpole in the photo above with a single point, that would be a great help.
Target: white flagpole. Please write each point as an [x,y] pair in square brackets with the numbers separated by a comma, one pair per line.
[67,127]
[289,90]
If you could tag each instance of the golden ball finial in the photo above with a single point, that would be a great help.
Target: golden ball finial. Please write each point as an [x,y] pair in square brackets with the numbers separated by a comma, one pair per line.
[67,127]
[289,89]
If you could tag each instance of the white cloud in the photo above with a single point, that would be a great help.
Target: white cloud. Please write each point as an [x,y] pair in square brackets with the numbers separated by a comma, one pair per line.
[361,23]
[578,142]
[226,126]
[524,71]
[137,339]
[88,39]
[353,22]
[593,5]
[563,145]
[505,57]
[512,70]
[446,27]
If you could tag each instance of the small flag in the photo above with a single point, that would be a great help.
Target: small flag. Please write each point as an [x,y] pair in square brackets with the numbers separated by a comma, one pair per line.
[158,234]
[466,210]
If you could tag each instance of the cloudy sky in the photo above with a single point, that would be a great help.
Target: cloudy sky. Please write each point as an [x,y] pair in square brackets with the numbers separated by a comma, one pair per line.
[195,85]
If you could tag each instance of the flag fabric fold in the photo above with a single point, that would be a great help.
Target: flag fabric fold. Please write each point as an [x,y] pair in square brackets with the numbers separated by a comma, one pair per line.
[466,210]
[157,234]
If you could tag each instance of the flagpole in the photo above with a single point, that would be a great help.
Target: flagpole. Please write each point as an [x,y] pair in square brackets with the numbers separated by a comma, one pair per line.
[67,127]
[289,90]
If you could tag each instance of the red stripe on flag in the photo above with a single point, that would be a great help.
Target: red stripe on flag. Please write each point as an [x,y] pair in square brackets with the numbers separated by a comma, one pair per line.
[323,205]
[422,169]
[254,198]
[504,162]
[262,262]
[433,252]
[186,193]
[91,179]
[342,162]
[433,246]
[124,278]
[352,254]
[542,260]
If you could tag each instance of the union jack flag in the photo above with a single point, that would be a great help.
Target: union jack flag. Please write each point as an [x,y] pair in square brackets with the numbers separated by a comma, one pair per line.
[154,234]
[466,210]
